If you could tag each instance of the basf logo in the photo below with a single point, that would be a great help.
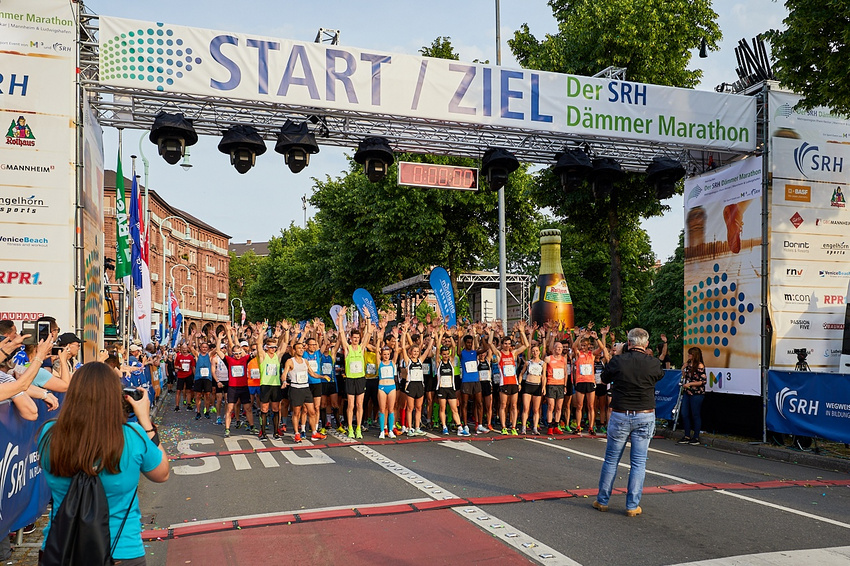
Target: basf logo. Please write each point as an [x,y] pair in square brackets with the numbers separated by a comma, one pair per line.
[795,405]
[798,193]
[807,159]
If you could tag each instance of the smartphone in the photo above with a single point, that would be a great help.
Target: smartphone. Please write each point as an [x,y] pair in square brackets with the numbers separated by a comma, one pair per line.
[37,330]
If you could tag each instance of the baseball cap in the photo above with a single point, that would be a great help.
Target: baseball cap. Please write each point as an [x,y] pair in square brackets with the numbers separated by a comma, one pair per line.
[244,343]
[66,339]
[134,347]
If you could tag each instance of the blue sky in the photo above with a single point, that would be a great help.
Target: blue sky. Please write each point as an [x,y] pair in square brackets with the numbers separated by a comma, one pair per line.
[258,204]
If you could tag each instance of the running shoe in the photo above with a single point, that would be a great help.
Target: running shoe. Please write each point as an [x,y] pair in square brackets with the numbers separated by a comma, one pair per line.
[350,432]
[177,408]
[253,430]
[197,416]
[318,436]
[324,430]
[283,427]
[227,433]
[523,431]
[392,434]
[684,440]
[592,431]
[466,430]
[358,434]
[411,433]
[213,410]
[238,424]
[481,429]
[420,432]
[695,442]
[218,421]
[262,437]
[505,431]
[404,430]
[297,437]
[490,427]
[536,432]
[207,414]
[550,431]
[328,425]
[514,432]
[462,431]
[445,430]
[382,435]
[341,429]
[364,428]
[276,436]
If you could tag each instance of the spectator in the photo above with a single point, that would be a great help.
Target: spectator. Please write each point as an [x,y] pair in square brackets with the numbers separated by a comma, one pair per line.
[16,389]
[693,393]
[69,346]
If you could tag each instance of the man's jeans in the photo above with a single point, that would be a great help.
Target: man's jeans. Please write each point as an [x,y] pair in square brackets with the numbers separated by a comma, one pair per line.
[622,427]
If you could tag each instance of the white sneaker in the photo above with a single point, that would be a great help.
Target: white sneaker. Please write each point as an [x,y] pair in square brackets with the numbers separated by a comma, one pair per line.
[481,429]
[392,434]
[404,430]
[466,430]
[381,436]
[460,431]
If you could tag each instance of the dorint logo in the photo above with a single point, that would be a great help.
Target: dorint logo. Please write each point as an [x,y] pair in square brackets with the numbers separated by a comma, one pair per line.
[20,133]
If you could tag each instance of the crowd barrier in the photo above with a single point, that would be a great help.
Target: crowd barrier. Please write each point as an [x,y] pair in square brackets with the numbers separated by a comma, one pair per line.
[809,404]
[667,393]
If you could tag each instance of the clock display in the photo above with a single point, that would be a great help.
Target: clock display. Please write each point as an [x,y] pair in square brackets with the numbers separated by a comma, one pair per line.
[437,176]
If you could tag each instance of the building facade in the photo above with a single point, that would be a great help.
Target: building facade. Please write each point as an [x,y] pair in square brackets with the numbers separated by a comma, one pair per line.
[186,254]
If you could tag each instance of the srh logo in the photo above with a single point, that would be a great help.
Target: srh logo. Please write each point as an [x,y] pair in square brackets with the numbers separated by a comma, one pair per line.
[20,278]
[795,405]
[807,158]
[5,466]
[833,299]
[798,193]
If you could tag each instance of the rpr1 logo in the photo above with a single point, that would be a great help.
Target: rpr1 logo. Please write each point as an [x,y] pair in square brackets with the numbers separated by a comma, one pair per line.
[20,278]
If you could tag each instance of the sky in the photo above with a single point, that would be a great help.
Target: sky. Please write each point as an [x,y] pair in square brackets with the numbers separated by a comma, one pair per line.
[270,195]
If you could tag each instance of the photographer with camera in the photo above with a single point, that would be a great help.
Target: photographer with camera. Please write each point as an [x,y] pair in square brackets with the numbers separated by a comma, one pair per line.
[21,390]
[66,349]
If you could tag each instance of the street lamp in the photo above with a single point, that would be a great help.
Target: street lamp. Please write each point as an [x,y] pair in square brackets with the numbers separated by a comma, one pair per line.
[233,308]
[163,239]
[171,272]
[183,298]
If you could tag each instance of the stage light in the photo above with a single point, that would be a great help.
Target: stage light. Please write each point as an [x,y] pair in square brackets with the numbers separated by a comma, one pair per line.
[606,171]
[296,144]
[496,164]
[376,156]
[243,144]
[663,174]
[572,167]
[703,49]
[172,134]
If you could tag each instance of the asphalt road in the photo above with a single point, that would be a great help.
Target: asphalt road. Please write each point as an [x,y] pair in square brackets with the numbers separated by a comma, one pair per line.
[375,503]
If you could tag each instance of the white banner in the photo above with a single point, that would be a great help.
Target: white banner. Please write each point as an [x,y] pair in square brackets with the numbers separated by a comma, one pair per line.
[722,265]
[180,59]
[810,233]
[38,158]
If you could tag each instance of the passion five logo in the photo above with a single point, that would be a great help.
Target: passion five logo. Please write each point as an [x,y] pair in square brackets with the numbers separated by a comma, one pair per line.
[790,397]
[19,133]
[807,159]
[152,57]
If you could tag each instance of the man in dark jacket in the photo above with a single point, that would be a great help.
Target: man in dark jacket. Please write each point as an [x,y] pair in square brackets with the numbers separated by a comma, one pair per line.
[633,375]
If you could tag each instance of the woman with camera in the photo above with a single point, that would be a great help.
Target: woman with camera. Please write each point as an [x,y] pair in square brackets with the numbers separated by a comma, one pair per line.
[693,393]
[92,435]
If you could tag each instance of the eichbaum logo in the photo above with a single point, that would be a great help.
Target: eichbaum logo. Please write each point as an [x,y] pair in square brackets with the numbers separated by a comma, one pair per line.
[807,159]
[19,133]
[796,220]
[795,404]
[20,278]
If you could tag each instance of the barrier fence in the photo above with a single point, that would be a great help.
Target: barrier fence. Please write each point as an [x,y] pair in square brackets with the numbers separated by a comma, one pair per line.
[809,404]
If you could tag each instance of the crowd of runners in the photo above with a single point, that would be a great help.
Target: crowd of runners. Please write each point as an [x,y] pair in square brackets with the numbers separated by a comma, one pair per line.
[393,379]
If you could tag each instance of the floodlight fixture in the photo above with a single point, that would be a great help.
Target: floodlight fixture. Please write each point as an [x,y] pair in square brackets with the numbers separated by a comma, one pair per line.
[186,164]
[376,156]
[296,144]
[243,143]
[496,164]
[172,134]
[606,170]
[572,167]
[703,49]
[663,174]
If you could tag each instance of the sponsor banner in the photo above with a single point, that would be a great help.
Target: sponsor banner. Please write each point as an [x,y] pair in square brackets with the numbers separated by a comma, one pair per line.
[797,219]
[827,250]
[35,206]
[809,161]
[818,125]
[807,404]
[29,279]
[43,28]
[32,242]
[722,290]
[364,301]
[441,283]
[23,490]
[26,308]
[821,354]
[818,299]
[179,59]
[811,273]
[667,393]
[809,325]
[92,230]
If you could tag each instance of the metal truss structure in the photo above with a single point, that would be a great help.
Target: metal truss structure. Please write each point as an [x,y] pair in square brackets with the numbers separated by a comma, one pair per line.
[132,108]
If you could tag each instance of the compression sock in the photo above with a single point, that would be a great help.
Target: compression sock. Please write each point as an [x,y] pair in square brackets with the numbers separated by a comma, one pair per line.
[381,422]
[323,414]
[275,422]
[264,418]
[335,412]
[392,420]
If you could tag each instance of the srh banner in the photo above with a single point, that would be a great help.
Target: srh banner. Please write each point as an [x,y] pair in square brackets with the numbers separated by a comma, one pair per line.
[667,393]
[180,59]
[809,404]
[723,240]
[37,159]
[809,226]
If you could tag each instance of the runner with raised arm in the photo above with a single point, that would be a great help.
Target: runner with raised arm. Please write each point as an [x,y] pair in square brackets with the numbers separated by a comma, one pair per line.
[414,356]
[509,390]
[533,389]
[355,374]
[315,377]
[300,399]
[446,392]
[556,380]
[237,390]
[269,352]
[202,385]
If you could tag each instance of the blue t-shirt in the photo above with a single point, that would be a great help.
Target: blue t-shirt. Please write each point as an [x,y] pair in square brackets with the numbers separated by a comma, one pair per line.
[469,366]
[140,455]
[315,357]
[203,367]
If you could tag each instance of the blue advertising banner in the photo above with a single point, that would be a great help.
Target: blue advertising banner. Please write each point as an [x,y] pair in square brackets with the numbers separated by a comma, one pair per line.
[809,404]
[666,394]
[23,490]
[364,301]
[443,290]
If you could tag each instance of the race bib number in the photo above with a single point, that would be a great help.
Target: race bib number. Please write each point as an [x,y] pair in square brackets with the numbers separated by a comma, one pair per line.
[387,372]
[356,366]
[447,381]
[237,371]
[327,369]
[415,374]
[426,369]
[272,370]
[255,373]
[509,370]
[558,374]
[371,369]
[184,366]
[598,378]
[585,369]
[205,372]
[535,369]
[313,365]
[471,366]
[300,377]
[484,374]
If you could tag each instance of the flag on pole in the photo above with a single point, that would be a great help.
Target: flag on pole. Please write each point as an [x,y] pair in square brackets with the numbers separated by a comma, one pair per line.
[122,226]
[175,318]
[243,317]
[140,274]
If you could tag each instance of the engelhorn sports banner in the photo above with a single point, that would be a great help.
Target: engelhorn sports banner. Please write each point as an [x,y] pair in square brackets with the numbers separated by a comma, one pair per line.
[364,301]
[444,292]
[179,59]
[809,404]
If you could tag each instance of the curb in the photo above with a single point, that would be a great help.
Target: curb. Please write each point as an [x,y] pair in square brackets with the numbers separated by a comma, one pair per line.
[767,451]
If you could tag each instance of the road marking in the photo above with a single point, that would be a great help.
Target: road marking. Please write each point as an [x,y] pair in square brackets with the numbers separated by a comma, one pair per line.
[468,448]
[208,464]
[604,440]
[786,509]
[835,556]
[508,534]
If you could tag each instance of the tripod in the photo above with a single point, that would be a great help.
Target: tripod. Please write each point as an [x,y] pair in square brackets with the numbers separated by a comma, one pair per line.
[802,442]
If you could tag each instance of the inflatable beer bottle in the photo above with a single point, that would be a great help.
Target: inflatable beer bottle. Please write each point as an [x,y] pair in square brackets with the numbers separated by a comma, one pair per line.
[551,299]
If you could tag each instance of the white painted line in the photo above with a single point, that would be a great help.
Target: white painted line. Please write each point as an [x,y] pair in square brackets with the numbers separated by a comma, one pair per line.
[656,450]
[511,536]
[466,447]
[299,511]
[602,459]
[786,509]
[836,556]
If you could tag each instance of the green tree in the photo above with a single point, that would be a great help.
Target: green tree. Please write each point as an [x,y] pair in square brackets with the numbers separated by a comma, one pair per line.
[811,54]
[652,39]
[662,307]
[243,272]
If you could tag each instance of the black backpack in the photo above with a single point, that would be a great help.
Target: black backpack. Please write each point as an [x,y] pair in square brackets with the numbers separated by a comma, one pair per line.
[79,529]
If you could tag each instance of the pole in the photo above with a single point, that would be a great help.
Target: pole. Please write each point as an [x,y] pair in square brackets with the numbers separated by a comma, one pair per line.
[146,165]
[304,208]
[503,287]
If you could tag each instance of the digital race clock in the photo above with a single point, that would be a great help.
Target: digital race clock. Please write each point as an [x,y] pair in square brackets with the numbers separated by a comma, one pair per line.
[437,176]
